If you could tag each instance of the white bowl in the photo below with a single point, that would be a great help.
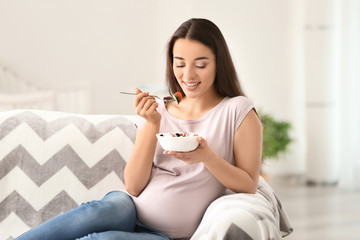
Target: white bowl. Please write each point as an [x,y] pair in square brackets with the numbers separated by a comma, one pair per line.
[177,144]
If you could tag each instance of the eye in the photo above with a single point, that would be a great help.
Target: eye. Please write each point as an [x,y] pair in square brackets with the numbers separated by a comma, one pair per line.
[201,66]
[179,66]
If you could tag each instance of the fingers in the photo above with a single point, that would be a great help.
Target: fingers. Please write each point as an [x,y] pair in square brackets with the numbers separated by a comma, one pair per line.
[145,103]
[181,155]
[146,106]
[139,96]
[191,157]
[142,100]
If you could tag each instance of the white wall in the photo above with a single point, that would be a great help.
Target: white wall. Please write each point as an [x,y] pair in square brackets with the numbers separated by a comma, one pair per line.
[349,98]
[118,45]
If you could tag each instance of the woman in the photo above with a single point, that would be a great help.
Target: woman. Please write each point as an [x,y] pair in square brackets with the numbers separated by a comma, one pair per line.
[168,192]
[173,189]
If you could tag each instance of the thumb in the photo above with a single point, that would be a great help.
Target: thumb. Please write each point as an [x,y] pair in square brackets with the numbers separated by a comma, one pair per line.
[201,141]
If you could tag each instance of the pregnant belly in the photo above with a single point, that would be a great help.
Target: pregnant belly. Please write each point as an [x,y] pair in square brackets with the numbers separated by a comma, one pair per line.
[175,205]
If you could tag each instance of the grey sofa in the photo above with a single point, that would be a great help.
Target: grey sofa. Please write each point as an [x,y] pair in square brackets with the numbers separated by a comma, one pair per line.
[52,161]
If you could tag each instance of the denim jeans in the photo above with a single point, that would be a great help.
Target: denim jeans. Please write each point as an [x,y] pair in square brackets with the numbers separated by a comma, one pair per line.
[113,217]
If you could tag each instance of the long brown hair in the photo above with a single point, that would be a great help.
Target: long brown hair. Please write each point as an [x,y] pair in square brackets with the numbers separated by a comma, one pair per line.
[206,32]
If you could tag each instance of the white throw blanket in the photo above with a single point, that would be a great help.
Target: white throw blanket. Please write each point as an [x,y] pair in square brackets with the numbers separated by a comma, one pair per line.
[242,216]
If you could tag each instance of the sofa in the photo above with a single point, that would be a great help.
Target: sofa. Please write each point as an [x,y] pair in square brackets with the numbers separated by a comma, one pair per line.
[51,162]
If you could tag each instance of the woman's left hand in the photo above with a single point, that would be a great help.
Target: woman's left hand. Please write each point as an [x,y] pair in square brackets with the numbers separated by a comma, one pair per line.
[200,154]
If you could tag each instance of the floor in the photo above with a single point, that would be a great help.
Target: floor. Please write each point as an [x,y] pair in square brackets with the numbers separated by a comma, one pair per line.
[318,211]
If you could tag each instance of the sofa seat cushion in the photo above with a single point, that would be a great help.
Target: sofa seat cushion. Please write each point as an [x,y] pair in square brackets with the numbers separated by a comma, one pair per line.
[52,161]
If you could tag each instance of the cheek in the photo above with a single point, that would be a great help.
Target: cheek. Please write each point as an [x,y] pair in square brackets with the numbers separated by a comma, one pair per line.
[210,76]
[177,72]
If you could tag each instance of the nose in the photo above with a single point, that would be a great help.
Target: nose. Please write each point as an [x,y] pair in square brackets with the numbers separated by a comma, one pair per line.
[189,73]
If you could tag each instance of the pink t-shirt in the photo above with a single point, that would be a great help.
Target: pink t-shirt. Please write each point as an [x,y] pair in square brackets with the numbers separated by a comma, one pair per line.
[178,194]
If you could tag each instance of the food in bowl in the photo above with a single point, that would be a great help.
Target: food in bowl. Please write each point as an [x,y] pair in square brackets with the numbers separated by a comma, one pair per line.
[179,141]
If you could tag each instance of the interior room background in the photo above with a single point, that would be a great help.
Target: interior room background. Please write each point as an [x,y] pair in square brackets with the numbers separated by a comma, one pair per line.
[292,57]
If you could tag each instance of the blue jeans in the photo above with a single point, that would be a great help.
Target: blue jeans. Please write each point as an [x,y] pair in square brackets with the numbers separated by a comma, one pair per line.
[113,217]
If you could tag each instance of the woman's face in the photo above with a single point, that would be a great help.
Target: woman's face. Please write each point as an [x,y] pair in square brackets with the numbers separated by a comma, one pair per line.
[194,66]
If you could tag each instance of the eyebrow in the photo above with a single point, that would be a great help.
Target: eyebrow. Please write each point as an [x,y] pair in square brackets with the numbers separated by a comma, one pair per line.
[199,58]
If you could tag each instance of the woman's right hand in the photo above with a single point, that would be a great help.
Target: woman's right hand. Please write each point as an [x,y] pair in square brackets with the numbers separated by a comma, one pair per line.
[145,106]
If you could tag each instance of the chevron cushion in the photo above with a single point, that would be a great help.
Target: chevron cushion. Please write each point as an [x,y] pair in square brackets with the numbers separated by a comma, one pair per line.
[52,161]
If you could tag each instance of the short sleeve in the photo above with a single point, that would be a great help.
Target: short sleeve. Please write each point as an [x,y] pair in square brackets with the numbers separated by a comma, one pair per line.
[243,106]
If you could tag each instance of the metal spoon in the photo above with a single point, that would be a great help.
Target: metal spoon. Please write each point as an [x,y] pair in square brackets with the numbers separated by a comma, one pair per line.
[165,99]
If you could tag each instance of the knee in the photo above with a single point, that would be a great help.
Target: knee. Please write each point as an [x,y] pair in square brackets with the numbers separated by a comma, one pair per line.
[114,205]
[117,198]
[116,211]
[118,203]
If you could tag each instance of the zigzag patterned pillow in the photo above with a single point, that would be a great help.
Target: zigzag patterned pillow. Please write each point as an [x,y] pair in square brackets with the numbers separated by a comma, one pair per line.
[52,161]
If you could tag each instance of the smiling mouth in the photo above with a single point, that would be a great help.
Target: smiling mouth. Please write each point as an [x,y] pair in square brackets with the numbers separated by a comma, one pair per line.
[191,84]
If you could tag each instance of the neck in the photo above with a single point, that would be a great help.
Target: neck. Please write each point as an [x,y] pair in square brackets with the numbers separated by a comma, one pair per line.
[195,108]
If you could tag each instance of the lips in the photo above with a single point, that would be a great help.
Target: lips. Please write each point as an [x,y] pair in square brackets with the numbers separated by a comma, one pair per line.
[191,84]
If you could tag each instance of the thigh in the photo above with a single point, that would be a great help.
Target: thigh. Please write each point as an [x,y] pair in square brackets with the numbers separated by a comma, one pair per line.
[116,211]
